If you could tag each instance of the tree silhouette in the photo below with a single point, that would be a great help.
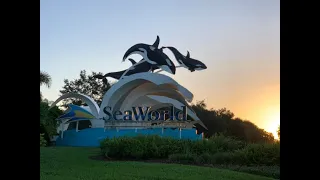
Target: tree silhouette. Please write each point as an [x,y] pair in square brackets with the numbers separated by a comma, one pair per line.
[222,121]
[278,131]
[45,79]
[87,85]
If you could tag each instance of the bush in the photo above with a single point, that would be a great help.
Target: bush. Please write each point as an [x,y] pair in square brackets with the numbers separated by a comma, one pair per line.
[218,150]
[205,158]
[142,147]
[44,133]
[43,142]
[258,154]
[184,158]
[222,158]
[226,144]
[48,123]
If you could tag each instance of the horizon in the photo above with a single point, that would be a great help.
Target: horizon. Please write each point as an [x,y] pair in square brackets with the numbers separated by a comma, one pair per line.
[239,41]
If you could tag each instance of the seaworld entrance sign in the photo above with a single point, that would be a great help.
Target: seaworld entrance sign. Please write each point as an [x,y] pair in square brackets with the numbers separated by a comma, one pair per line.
[154,115]
[140,85]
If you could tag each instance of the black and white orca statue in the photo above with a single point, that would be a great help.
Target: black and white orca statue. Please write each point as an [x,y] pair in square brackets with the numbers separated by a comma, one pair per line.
[142,67]
[187,61]
[153,55]
[152,66]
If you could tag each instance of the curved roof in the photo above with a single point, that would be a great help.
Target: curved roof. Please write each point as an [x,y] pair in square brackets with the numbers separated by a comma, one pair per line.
[75,113]
[88,100]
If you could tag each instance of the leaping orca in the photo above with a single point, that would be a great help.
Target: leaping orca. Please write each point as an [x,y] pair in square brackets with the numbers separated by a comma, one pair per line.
[152,66]
[186,61]
[143,67]
[153,55]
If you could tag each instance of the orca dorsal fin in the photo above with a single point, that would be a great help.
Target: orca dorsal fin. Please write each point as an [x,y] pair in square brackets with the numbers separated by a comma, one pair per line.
[188,54]
[156,43]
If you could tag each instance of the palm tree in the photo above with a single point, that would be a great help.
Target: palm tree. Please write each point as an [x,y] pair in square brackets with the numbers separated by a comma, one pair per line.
[45,79]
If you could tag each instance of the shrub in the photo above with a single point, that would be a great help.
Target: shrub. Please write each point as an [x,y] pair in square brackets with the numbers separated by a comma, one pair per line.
[205,158]
[120,147]
[43,142]
[184,158]
[48,123]
[141,147]
[220,151]
[217,150]
[258,154]
[226,144]
[222,158]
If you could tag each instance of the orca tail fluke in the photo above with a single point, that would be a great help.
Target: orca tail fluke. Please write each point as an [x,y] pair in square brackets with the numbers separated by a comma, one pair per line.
[174,50]
[99,76]
[103,77]
[105,81]
[106,75]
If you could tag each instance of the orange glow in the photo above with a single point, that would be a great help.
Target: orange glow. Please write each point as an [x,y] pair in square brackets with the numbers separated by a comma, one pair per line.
[272,123]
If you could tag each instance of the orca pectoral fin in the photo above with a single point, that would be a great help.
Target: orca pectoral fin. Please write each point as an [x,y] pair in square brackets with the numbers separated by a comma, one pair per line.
[132,61]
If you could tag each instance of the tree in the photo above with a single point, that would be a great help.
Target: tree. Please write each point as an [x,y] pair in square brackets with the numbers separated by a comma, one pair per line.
[210,118]
[48,123]
[45,79]
[278,131]
[87,85]
[222,121]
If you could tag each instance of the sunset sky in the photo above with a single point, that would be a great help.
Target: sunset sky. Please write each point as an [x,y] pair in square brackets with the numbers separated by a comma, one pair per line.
[238,40]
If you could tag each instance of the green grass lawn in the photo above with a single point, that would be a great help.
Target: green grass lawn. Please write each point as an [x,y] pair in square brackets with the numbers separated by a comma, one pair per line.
[70,163]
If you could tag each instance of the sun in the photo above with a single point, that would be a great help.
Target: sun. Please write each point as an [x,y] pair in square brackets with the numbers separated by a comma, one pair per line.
[273,122]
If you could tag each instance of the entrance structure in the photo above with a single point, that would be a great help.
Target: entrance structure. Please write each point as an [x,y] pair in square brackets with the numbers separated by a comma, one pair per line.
[141,85]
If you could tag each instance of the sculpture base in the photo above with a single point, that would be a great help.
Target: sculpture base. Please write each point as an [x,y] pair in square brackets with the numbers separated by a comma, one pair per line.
[91,137]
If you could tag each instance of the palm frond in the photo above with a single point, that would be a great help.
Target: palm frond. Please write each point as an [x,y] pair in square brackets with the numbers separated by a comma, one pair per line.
[45,79]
